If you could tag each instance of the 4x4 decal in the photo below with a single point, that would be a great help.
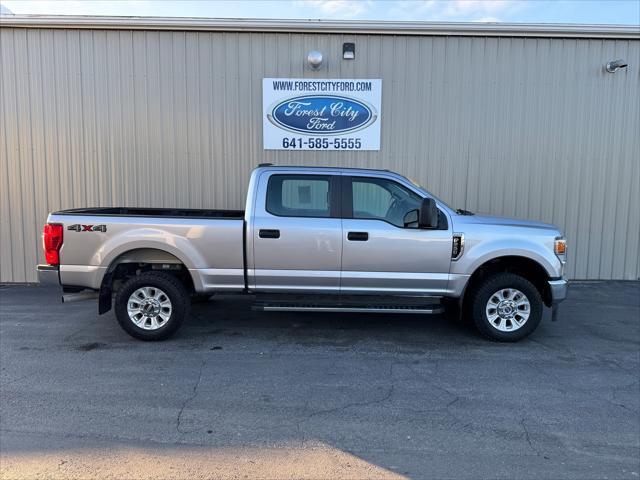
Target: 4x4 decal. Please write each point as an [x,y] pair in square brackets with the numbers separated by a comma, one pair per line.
[87,228]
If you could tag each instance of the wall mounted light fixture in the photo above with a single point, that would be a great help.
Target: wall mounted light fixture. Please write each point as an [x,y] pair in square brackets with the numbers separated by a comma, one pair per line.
[348,51]
[314,58]
[615,65]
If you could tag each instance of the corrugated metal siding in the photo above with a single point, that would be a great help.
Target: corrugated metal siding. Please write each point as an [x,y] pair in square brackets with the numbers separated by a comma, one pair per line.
[528,127]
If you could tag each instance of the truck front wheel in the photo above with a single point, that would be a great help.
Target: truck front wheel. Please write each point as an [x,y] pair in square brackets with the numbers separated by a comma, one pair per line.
[506,307]
[152,306]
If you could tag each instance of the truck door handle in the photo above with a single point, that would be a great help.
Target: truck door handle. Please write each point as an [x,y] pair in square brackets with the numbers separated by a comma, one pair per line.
[358,236]
[269,233]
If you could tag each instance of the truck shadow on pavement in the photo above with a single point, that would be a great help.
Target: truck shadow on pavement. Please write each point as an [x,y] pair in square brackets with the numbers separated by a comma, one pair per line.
[231,318]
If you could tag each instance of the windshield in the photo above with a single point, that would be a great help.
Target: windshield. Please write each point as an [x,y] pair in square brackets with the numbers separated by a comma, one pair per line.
[459,211]
[427,192]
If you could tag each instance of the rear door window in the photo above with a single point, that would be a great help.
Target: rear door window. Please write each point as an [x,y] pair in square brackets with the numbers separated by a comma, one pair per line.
[299,195]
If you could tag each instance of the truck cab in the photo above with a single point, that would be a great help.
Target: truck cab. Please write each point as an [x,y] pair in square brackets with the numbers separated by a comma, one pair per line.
[345,231]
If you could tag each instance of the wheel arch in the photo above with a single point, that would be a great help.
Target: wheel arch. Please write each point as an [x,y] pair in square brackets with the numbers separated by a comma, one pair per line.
[519,265]
[138,260]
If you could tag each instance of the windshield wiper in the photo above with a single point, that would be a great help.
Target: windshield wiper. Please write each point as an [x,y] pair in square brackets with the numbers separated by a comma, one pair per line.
[461,211]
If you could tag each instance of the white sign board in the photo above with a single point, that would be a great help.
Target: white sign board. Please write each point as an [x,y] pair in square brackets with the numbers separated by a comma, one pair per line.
[314,114]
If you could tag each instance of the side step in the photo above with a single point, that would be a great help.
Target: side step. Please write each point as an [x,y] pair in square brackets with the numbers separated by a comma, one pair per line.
[377,309]
[428,305]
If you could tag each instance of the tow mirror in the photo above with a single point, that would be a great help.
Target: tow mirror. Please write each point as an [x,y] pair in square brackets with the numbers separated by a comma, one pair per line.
[428,214]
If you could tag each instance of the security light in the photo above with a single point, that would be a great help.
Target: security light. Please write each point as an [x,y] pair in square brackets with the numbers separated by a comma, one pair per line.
[616,65]
[348,51]
[315,59]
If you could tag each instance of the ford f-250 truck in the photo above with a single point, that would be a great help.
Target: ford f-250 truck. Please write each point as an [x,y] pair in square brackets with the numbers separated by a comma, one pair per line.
[310,239]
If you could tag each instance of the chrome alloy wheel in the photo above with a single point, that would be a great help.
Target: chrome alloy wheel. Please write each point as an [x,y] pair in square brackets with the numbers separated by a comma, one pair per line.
[149,308]
[508,309]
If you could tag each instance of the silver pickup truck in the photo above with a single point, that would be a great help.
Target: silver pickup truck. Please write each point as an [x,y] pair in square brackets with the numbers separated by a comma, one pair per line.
[310,239]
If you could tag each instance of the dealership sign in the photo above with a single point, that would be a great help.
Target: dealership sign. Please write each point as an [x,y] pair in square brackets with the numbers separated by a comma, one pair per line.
[310,114]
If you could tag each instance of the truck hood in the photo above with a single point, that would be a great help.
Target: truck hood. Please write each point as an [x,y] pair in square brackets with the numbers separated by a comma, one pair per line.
[505,221]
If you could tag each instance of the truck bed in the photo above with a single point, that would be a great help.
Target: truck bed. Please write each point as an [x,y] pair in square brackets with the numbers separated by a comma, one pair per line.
[155,212]
[207,242]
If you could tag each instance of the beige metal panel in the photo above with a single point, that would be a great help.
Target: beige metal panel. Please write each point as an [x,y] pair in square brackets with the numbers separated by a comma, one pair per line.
[528,127]
[8,137]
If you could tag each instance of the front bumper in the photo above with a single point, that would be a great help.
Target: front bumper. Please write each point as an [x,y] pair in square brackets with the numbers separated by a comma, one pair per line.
[558,289]
[48,275]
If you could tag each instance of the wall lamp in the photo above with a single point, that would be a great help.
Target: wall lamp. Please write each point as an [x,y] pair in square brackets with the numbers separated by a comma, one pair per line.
[348,51]
[314,59]
[615,65]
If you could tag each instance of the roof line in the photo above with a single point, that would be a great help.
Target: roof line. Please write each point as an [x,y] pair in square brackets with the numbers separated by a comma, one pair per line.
[323,26]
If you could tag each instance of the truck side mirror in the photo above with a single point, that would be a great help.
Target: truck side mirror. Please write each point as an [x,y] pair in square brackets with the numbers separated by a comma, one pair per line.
[428,214]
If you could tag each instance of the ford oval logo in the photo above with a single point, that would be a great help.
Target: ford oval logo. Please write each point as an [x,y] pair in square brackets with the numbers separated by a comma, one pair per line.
[322,114]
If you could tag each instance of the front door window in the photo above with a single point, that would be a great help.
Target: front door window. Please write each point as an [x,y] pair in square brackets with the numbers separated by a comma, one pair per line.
[381,199]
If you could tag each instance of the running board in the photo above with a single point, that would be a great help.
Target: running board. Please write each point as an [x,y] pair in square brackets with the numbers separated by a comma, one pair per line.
[274,307]
[77,297]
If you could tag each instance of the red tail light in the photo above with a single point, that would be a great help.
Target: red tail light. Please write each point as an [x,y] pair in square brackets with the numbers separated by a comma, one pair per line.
[52,240]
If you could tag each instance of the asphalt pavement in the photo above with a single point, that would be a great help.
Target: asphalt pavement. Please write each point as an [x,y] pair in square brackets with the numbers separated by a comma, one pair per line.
[238,394]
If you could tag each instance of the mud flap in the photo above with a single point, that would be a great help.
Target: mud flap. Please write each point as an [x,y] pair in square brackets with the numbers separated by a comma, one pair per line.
[104,299]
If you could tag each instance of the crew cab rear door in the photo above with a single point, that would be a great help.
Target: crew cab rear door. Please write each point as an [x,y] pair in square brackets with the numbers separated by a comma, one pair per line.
[296,232]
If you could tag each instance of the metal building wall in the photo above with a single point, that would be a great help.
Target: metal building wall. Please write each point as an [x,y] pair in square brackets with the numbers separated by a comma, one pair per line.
[527,127]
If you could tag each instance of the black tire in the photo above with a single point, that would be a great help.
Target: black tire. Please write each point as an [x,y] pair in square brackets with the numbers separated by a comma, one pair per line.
[482,295]
[172,287]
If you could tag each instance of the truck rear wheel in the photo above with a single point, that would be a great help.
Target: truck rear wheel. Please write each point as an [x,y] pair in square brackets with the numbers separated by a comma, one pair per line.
[506,307]
[152,306]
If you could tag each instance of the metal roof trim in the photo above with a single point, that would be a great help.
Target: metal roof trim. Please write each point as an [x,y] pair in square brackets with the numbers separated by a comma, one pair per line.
[323,26]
